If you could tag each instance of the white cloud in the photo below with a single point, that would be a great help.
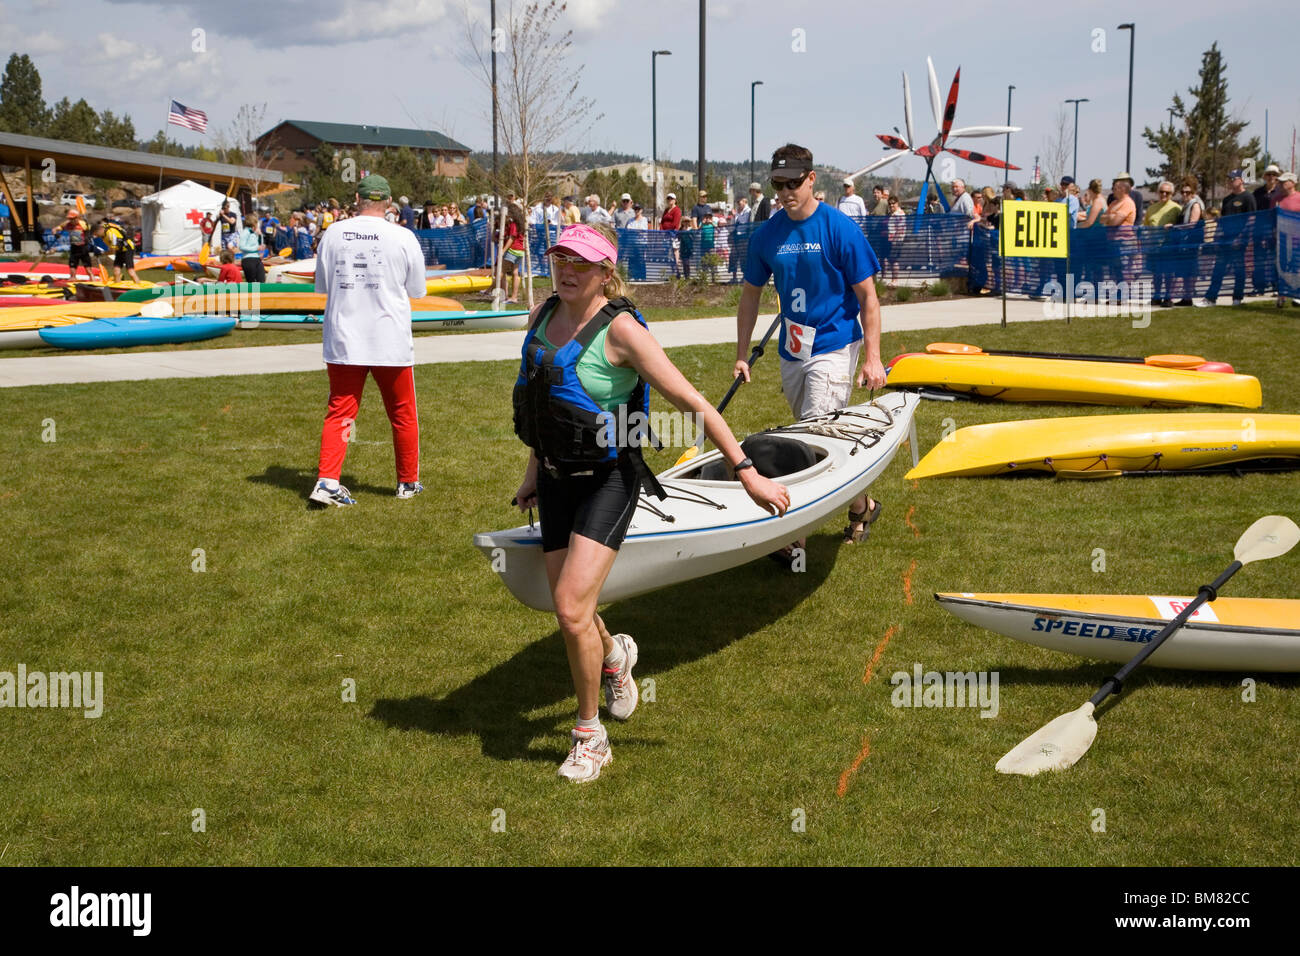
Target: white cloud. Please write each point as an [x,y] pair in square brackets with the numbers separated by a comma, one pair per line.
[589,16]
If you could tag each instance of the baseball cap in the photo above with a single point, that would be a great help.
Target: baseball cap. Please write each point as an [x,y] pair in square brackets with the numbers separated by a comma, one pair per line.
[1272,168]
[756,187]
[1287,177]
[671,196]
[1067,180]
[584,241]
[1235,174]
[790,167]
[72,214]
[374,187]
[848,180]
[624,196]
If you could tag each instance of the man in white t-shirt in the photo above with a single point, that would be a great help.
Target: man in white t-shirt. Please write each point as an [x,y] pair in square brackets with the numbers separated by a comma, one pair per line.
[962,204]
[369,270]
[851,204]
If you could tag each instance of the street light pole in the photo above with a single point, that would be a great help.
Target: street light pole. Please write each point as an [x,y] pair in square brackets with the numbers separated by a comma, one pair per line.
[1008,156]
[752,87]
[1075,175]
[654,132]
[701,165]
[1128,142]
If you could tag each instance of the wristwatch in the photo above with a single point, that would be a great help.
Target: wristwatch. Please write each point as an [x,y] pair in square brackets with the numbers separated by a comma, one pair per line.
[742,465]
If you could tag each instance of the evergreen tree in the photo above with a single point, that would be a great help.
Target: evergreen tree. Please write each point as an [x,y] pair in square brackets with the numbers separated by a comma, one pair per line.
[1209,143]
[116,133]
[22,106]
[74,122]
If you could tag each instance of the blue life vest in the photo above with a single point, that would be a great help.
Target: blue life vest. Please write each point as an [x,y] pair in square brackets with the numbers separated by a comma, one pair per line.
[558,420]
[301,243]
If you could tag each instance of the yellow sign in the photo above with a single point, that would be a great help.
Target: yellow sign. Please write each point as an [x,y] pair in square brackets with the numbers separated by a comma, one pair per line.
[1035,229]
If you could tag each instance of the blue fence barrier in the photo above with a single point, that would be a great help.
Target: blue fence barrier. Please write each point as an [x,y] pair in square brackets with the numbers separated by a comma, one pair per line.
[1288,253]
[1235,256]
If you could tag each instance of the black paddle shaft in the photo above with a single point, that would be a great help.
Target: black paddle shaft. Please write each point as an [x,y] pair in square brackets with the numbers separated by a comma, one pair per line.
[1067,355]
[1208,592]
[754,356]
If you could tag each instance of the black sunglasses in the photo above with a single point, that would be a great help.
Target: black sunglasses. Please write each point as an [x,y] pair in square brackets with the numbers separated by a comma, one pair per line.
[779,184]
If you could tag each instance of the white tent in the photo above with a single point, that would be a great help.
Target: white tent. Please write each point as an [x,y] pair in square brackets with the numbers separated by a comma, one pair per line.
[169,220]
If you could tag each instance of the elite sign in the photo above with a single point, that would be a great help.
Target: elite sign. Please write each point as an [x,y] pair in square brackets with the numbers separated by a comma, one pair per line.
[1035,230]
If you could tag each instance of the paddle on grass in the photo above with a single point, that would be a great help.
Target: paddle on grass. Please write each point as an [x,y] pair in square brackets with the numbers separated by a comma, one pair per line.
[754,356]
[1164,361]
[1063,741]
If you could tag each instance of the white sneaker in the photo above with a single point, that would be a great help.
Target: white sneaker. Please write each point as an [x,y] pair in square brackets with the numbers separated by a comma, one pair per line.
[1238,301]
[339,496]
[621,694]
[409,489]
[1202,303]
[588,756]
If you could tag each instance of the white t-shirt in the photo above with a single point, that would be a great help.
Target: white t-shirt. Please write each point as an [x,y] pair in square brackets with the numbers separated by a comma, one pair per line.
[853,205]
[369,270]
[964,204]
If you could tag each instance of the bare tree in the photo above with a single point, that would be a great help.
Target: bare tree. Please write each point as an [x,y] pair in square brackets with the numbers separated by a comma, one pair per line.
[1058,148]
[241,137]
[541,112]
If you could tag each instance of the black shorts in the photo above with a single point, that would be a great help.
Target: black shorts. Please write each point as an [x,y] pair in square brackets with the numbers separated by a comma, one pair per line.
[124,258]
[79,256]
[598,506]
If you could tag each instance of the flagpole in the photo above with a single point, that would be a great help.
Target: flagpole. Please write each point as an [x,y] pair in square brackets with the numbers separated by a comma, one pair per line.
[166,120]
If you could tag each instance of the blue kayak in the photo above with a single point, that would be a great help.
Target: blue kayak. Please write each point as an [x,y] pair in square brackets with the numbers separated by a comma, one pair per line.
[117,333]
[420,321]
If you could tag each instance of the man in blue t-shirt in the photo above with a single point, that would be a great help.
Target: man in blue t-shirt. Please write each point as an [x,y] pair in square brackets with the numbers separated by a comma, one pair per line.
[822,265]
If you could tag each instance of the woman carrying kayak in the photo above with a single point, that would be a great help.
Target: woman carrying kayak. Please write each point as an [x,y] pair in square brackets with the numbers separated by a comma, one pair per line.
[588,352]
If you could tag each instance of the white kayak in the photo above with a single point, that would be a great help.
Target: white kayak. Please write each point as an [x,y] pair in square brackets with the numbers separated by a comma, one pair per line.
[709,525]
[1229,634]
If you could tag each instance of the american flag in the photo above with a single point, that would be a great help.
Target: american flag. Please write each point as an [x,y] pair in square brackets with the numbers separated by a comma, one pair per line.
[180,115]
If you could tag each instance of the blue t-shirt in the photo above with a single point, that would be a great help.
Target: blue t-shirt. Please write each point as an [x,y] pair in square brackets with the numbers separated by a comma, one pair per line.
[816,262]
[1071,204]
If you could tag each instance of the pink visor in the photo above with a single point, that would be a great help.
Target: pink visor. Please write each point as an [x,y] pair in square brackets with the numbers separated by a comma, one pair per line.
[586,242]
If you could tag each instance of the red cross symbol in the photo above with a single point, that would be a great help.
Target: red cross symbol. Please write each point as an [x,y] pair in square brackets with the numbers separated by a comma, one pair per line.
[194,216]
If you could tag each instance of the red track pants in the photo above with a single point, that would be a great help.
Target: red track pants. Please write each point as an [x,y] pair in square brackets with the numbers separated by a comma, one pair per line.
[397,386]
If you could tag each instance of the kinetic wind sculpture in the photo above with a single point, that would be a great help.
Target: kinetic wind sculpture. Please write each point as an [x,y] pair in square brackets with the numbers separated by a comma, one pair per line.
[930,151]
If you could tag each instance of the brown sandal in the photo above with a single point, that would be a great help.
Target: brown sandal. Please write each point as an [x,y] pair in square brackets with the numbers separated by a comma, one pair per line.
[866,519]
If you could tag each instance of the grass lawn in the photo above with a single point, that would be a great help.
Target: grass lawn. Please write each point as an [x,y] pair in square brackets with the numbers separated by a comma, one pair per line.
[223,689]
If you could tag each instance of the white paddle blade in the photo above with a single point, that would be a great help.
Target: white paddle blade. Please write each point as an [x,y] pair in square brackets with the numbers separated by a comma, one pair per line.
[934,97]
[881,162]
[157,309]
[1270,537]
[1055,746]
[907,110]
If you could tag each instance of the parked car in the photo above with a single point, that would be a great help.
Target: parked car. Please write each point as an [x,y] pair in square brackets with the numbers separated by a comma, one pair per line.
[41,199]
[70,199]
[130,202]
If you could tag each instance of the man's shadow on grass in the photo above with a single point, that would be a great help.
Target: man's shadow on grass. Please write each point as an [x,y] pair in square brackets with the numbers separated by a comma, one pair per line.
[301,481]
[674,626]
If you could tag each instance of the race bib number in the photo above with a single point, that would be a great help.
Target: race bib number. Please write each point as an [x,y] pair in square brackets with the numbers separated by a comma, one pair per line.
[799,340]
[1169,608]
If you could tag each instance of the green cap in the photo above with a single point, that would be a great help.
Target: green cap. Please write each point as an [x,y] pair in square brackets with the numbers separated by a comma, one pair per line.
[374,188]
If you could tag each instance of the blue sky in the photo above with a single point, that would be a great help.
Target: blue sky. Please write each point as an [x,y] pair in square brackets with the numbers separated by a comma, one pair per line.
[403,64]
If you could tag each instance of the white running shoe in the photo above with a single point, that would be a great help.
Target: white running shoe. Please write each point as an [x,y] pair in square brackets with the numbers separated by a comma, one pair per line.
[621,694]
[339,496]
[588,756]
[1202,303]
[409,489]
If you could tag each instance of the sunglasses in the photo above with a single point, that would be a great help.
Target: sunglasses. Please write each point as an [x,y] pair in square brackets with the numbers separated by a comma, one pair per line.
[576,263]
[1166,192]
[779,184]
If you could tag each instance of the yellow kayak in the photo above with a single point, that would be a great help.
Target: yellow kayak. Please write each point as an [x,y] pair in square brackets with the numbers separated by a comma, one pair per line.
[1229,633]
[1018,379]
[40,316]
[1109,444]
[447,285]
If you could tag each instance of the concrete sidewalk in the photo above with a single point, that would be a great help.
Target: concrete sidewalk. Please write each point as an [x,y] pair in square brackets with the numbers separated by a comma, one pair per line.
[482,347]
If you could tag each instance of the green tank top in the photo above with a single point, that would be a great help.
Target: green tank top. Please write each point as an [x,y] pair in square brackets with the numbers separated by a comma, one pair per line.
[608,385]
